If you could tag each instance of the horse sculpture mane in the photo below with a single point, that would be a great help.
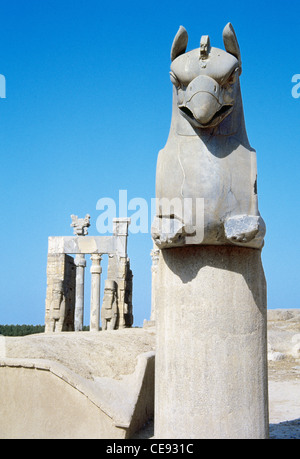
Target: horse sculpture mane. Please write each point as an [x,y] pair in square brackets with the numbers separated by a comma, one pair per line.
[206,179]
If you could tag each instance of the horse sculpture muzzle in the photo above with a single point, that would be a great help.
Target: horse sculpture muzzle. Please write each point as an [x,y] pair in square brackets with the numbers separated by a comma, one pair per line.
[206,104]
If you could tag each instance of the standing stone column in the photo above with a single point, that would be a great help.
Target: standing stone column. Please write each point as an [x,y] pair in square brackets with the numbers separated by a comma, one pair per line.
[120,232]
[96,271]
[80,226]
[80,263]
[211,359]
[211,308]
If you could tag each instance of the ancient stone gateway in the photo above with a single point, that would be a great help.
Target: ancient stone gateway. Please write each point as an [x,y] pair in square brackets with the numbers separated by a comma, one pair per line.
[65,279]
[210,307]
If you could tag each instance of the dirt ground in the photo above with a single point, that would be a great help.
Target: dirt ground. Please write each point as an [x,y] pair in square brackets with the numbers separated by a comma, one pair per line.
[284,402]
[284,376]
[284,373]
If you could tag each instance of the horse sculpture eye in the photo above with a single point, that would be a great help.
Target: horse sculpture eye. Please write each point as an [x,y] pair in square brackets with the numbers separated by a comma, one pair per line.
[232,78]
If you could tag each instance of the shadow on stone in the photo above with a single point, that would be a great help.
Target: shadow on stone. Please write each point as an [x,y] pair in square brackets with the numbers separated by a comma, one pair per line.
[186,263]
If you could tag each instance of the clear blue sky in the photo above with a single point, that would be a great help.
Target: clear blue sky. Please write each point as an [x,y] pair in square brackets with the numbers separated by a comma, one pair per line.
[88,107]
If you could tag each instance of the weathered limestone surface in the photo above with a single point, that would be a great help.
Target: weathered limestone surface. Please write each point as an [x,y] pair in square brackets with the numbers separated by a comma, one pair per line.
[109,310]
[85,245]
[60,297]
[155,259]
[80,225]
[207,154]
[283,334]
[51,408]
[80,263]
[76,385]
[96,271]
[210,297]
[219,367]
[119,281]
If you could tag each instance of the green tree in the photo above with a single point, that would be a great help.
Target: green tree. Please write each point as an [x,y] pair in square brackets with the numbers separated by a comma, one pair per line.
[21,330]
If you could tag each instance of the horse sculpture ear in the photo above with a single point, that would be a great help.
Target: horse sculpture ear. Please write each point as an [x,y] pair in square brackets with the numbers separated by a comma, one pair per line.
[231,43]
[180,43]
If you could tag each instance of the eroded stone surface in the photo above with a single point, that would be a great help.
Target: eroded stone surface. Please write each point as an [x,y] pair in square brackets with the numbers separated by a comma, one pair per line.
[207,153]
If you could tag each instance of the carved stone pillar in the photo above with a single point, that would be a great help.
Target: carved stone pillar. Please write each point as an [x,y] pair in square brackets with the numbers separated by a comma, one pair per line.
[58,306]
[120,273]
[80,263]
[60,297]
[128,296]
[109,311]
[121,291]
[96,271]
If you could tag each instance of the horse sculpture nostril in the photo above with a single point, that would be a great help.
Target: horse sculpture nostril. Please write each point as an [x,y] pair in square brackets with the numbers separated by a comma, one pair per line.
[204,118]
[223,111]
[187,111]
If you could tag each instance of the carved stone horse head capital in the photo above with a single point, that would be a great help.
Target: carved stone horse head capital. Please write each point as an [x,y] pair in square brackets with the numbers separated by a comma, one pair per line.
[206,177]
[206,78]
[80,225]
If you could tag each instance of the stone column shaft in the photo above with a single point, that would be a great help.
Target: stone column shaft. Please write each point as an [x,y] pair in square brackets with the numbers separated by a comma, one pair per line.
[155,259]
[211,352]
[80,263]
[96,271]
